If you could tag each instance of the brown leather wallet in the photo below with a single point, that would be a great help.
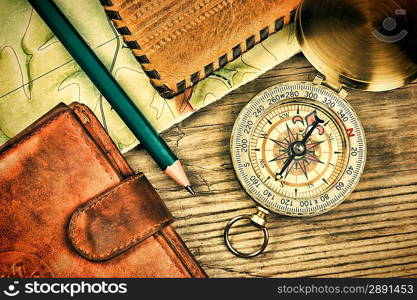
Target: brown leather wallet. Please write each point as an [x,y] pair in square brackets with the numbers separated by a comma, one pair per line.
[70,206]
[179,42]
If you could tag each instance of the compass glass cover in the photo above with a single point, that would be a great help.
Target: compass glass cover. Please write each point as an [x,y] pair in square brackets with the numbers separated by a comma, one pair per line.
[298,149]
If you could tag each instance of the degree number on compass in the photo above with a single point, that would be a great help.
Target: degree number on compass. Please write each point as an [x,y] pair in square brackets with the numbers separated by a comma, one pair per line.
[298,149]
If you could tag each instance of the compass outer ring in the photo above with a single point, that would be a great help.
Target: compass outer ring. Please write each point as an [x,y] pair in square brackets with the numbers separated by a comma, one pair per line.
[239,120]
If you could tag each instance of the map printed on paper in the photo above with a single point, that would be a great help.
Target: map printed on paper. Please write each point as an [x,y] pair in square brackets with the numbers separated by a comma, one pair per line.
[37,73]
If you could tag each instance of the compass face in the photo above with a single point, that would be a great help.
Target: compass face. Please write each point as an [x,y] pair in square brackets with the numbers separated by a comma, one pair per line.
[298,149]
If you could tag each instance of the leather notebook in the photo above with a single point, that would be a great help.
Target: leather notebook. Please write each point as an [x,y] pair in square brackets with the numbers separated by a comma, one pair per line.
[179,42]
[70,206]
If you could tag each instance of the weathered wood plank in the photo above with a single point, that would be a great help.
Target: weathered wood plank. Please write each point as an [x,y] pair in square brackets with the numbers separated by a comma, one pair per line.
[372,234]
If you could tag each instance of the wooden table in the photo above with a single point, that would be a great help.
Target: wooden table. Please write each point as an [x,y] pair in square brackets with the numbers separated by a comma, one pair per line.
[371,234]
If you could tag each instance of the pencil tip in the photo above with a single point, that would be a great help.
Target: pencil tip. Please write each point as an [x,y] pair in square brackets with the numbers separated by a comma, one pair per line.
[189,189]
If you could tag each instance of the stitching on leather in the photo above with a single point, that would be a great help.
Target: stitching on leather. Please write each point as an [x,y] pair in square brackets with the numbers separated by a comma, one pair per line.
[117,162]
[95,154]
[170,258]
[145,8]
[183,254]
[255,43]
[120,248]
[72,121]
[242,52]
[164,23]
[91,205]
[32,133]
[96,201]
[186,27]
[183,29]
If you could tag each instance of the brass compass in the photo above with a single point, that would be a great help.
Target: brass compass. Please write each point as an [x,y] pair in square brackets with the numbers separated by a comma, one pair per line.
[298,148]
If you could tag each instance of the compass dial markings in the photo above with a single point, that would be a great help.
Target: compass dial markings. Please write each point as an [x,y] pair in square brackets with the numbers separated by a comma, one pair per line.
[331,147]
[286,141]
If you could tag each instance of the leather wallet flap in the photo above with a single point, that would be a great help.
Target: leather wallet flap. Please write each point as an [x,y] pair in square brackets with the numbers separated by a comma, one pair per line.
[118,219]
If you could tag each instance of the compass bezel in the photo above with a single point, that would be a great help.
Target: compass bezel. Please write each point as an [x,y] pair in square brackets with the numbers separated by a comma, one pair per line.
[240,167]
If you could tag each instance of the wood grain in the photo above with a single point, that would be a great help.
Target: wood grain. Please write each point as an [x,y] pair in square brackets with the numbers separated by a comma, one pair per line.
[371,234]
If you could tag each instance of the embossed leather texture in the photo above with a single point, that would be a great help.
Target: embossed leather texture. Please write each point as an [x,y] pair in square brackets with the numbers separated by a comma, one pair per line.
[179,42]
[70,206]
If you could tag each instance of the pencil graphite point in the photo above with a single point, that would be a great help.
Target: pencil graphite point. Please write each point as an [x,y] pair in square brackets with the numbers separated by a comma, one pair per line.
[176,172]
[189,189]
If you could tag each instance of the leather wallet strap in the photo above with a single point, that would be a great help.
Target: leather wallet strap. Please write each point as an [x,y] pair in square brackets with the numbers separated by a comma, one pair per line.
[118,219]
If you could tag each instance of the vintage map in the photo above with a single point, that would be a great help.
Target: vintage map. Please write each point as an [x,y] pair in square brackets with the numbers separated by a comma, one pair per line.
[36,72]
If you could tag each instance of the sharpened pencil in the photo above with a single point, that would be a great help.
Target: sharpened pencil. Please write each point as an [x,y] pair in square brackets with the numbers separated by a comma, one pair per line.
[111,90]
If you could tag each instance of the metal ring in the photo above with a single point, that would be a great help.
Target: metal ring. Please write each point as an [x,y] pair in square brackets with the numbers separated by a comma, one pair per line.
[236,252]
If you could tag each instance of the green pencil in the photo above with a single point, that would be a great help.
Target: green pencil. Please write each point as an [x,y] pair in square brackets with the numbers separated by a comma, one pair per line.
[112,91]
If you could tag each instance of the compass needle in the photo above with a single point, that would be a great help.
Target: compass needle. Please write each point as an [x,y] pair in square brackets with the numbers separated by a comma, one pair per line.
[297,151]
